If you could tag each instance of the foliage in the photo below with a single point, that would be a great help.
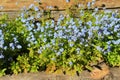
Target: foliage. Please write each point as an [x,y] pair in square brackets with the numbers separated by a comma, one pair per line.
[2,72]
[30,43]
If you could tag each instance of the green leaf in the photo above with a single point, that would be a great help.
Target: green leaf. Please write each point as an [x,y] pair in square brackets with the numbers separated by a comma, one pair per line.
[31,53]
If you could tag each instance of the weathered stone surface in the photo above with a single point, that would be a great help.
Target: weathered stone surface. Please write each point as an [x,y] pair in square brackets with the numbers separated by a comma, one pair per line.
[85,75]
[18,4]
[115,71]
[11,7]
[15,4]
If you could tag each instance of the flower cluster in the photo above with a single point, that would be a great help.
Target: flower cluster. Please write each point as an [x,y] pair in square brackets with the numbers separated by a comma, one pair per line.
[96,30]
[69,42]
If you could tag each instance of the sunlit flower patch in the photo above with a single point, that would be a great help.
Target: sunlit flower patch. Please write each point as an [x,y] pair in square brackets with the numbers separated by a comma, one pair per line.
[30,43]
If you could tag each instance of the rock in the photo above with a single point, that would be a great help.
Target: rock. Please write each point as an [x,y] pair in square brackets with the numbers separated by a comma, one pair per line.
[100,72]
[115,71]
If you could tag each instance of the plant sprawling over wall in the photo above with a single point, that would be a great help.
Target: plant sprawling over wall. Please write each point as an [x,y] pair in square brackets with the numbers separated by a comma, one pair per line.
[30,43]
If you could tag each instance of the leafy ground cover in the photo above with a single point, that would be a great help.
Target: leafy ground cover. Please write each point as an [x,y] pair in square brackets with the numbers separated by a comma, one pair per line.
[76,42]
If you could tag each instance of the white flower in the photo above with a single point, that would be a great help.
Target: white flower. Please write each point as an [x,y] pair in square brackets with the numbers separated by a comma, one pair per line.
[48,45]
[80,5]
[22,15]
[31,6]
[38,24]
[81,43]
[74,38]
[96,9]
[83,30]
[59,53]
[78,50]
[105,52]
[38,15]
[89,5]
[99,34]
[44,40]
[36,8]
[118,34]
[72,21]
[32,38]
[61,50]
[71,44]
[28,45]
[109,42]
[5,47]
[106,32]
[39,51]
[3,25]
[82,39]
[89,23]
[53,41]
[116,41]
[90,33]
[23,20]
[69,40]
[116,28]
[1,43]
[1,56]
[42,29]
[0,32]
[32,17]
[98,48]
[60,33]
[86,45]
[93,2]
[19,46]
[55,35]
[15,39]
[12,45]
[70,63]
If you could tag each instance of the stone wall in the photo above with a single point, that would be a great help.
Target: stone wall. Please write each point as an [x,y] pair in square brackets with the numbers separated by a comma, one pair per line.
[18,4]
[85,75]
[12,7]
